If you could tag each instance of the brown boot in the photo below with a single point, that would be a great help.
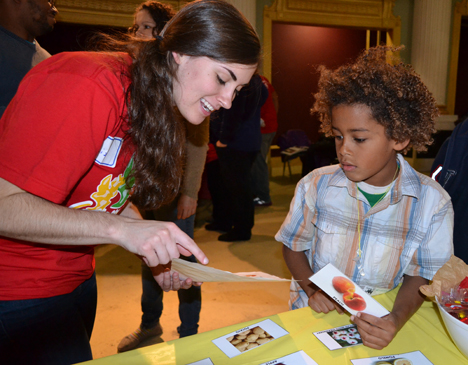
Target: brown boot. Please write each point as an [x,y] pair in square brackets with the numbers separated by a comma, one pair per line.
[132,341]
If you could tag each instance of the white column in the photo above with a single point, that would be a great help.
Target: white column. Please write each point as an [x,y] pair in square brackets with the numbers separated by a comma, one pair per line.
[430,44]
[430,58]
[247,8]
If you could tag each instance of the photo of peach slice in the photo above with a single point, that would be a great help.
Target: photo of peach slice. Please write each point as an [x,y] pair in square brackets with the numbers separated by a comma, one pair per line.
[342,284]
[354,301]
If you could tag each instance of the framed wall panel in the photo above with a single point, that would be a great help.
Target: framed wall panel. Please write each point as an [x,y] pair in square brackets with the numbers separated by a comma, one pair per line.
[363,14]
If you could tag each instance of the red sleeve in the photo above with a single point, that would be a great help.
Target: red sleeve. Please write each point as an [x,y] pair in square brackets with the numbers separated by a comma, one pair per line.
[53,130]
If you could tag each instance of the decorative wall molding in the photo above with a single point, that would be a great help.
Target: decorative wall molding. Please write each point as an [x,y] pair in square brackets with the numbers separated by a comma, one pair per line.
[117,13]
[461,10]
[331,7]
[362,14]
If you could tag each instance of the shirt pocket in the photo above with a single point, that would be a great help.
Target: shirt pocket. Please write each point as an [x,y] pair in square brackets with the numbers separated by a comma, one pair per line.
[382,259]
[331,242]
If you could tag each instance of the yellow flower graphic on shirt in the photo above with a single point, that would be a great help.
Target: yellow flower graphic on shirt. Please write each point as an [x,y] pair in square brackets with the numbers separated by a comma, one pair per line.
[107,190]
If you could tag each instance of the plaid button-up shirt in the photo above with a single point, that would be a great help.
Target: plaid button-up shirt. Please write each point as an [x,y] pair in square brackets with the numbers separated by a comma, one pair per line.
[408,232]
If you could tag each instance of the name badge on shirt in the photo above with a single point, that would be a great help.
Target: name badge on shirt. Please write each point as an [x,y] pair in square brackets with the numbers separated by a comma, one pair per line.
[109,151]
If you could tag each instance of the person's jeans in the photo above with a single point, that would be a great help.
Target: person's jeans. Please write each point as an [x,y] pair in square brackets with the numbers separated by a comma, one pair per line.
[152,296]
[54,330]
[221,201]
[235,169]
[260,173]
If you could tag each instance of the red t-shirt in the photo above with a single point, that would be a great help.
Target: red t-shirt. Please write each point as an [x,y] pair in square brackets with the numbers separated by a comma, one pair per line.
[268,111]
[62,138]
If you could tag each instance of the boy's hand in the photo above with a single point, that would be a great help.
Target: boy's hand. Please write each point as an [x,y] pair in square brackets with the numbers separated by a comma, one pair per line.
[321,303]
[379,332]
[376,332]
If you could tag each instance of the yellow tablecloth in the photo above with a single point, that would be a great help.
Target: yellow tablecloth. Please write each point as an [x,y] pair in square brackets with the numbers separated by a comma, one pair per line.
[424,332]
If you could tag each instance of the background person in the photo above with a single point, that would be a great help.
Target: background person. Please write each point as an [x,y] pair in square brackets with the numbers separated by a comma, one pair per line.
[236,136]
[150,19]
[269,125]
[450,169]
[21,21]
[112,133]
[372,216]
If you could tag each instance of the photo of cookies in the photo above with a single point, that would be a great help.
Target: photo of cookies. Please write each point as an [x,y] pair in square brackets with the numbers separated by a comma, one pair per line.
[249,338]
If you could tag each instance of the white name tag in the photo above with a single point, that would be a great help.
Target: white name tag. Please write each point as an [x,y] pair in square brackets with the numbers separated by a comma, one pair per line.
[109,151]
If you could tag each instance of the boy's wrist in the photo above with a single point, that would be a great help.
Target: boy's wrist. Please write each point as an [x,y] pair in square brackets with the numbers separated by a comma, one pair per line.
[397,320]
[311,290]
[400,316]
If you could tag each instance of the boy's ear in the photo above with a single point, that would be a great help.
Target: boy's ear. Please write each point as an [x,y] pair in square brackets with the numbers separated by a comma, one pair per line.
[400,146]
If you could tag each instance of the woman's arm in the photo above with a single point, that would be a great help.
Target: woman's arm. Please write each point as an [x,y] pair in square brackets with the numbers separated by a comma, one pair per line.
[27,217]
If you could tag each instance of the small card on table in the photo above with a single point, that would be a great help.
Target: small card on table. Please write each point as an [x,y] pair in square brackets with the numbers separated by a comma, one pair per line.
[248,338]
[409,358]
[206,361]
[340,337]
[296,358]
[346,293]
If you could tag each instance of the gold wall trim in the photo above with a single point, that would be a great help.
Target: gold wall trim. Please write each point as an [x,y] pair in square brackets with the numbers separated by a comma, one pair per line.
[332,7]
[114,13]
[363,14]
[461,9]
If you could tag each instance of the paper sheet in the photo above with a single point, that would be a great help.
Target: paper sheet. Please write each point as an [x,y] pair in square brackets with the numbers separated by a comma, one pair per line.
[340,337]
[296,358]
[346,292]
[409,358]
[202,273]
[448,276]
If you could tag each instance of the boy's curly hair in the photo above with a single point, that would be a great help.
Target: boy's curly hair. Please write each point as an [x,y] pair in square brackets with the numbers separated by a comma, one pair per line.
[396,95]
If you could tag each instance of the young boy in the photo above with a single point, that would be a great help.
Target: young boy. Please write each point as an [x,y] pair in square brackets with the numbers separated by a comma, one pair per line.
[372,216]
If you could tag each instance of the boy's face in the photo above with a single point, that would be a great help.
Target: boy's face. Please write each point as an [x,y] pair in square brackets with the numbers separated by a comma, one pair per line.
[363,149]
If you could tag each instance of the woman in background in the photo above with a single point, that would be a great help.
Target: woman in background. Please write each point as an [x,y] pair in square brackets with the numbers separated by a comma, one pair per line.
[150,18]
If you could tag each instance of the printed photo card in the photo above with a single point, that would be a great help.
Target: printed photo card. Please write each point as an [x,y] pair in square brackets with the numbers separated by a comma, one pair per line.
[296,358]
[248,338]
[409,358]
[346,293]
[206,361]
[340,337]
